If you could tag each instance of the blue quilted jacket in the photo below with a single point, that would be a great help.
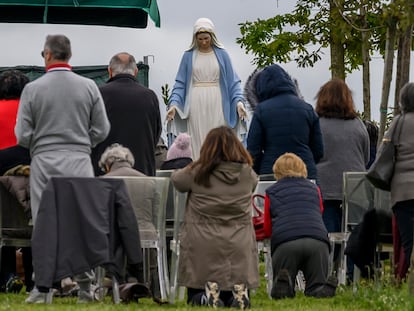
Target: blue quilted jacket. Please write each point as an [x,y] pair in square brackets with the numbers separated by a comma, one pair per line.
[295,211]
[282,122]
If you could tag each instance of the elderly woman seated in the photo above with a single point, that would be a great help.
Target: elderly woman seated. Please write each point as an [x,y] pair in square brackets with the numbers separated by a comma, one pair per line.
[118,161]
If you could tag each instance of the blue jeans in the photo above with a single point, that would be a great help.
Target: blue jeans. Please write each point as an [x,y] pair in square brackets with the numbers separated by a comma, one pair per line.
[332,218]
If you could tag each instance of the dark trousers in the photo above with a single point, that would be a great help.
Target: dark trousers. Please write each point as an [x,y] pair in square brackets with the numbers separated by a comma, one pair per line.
[404,216]
[332,215]
[8,265]
[28,268]
[309,255]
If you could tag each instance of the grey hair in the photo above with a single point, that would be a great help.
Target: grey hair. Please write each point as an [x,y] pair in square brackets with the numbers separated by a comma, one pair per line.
[59,47]
[118,65]
[407,97]
[116,153]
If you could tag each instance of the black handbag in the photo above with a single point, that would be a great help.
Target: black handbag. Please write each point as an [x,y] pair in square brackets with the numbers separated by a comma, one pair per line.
[382,170]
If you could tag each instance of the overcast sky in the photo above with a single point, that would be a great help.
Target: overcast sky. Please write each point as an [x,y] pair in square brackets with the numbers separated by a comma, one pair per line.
[95,45]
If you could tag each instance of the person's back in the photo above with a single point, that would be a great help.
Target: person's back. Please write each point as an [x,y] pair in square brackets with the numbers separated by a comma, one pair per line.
[346,143]
[60,118]
[179,154]
[346,150]
[118,161]
[64,105]
[282,122]
[12,83]
[299,239]
[134,114]
[217,244]
[297,209]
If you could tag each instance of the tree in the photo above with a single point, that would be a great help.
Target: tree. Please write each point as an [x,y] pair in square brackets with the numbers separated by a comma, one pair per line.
[387,76]
[353,30]
[303,35]
[345,26]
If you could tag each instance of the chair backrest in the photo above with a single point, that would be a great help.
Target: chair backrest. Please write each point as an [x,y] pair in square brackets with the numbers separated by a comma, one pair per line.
[176,203]
[382,199]
[148,197]
[14,223]
[358,198]
[169,214]
[261,187]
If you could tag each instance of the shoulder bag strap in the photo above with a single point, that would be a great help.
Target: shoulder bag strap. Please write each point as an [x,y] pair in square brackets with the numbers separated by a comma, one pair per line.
[397,129]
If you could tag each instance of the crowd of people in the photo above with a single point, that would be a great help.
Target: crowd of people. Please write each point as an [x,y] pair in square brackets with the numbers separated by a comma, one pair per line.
[63,124]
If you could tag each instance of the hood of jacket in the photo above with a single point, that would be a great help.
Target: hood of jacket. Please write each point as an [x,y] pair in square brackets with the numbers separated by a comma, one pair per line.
[267,83]
[228,172]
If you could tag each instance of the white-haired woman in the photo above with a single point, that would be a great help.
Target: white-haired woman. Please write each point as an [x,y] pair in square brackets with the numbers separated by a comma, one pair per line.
[207,91]
[118,160]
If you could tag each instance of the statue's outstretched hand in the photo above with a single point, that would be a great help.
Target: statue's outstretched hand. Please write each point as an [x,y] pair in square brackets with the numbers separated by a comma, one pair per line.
[241,111]
[171,114]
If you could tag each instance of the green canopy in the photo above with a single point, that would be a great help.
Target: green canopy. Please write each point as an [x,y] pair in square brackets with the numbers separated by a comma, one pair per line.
[97,73]
[120,13]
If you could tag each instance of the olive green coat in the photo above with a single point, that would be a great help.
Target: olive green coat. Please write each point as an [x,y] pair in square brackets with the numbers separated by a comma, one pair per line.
[217,239]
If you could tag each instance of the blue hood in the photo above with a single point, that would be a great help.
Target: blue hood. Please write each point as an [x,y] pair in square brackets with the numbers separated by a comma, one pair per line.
[272,81]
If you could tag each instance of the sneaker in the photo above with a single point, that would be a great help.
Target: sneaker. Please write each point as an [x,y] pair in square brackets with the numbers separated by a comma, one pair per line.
[213,295]
[283,286]
[328,289]
[37,297]
[240,297]
[85,297]
[14,285]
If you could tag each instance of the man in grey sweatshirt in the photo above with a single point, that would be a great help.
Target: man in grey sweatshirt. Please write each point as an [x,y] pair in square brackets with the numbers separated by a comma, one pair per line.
[61,116]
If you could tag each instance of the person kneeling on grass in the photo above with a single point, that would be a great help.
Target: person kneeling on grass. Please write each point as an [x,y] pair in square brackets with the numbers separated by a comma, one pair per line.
[218,261]
[299,239]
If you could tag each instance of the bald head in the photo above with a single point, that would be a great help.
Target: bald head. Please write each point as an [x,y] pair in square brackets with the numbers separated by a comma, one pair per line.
[122,63]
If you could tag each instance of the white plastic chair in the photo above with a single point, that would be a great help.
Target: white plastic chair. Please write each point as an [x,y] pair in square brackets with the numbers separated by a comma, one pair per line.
[360,196]
[151,192]
[265,247]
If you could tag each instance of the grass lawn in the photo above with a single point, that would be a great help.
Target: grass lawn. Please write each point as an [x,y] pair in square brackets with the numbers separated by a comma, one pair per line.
[369,296]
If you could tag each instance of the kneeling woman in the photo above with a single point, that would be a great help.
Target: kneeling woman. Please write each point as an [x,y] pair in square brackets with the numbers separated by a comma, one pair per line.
[299,239]
[218,261]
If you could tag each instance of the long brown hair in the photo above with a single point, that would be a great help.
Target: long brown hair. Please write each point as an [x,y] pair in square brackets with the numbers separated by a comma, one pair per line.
[220,145]
[334,100]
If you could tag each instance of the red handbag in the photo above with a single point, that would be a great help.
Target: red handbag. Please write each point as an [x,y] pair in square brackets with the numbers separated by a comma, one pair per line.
[258,216]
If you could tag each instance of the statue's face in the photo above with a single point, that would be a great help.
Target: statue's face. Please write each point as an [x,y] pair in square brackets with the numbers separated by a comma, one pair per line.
[203,41]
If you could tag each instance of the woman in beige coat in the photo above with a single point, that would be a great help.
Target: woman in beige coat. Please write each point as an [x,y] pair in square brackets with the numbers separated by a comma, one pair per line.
[218,262]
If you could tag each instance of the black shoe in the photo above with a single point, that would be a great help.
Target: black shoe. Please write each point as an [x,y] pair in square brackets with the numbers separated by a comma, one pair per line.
[14,285]
[328,289]
[240,297]
[283,286]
